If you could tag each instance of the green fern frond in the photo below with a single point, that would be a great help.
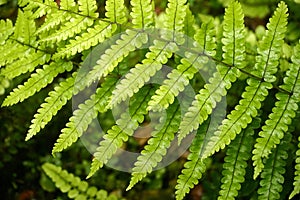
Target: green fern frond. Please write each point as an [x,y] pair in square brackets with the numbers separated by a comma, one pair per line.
[256,91]
[73,185]
[25,64]
[37,81]
[53,103]
[282,114]
[142,14]
[12,51]
[234,55]
[84,115]
[297,173]
[116,11]
[141,73]
[6,30]
[194,167]
[157,146]
[92,37]
[191,64]
[88,8]
[40,7]
[58,16]
[234,168]
[127,43]
[25,28]
[125,126]
[272,175]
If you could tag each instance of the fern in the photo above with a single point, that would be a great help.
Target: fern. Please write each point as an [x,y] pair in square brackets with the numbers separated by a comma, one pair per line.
[74,186]
[36,82]
[157,146]
[53,103]
[54,45]
[125,126]
[272,175]
[234,168]
[257,90]
[233,55]
[84,115]
[281,116]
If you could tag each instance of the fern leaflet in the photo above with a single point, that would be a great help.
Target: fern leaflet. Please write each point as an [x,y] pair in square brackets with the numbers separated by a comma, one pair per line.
[157,146]
[84,115]
[257,90]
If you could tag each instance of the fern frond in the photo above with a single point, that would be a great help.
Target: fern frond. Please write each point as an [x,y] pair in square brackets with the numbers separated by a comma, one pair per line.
[25,64]
[191,64]
[88,8]
[58,16]
[272,175]
[40,7]
[25,28]
[116,11]
[142,14]
[73,185]
[6,29]
[194,167]
[281,117]
[157,146]
[74,26]
[257,90]
[36,82]
[125,126]
[53,103]
[234,168]
[174,19]
[297,173]
[92,37]
[84,115]
[189,22]
[234,55]
[141,73]
[127,43]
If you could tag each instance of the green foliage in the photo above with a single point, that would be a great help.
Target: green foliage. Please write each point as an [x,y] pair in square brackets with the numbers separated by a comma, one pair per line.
[74,186]
[46,48]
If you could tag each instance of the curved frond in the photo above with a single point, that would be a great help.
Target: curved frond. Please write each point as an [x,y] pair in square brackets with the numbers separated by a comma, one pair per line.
[25,64]
[281,117]
[194,167]
[234,168]
[84,115]
[125,126]
[92,37]
[53,103]
[156,146]
[256,91]
[41,7]
[141,73]
[191,64]
[36,82]
[234,55]
[127,43]
[272,174]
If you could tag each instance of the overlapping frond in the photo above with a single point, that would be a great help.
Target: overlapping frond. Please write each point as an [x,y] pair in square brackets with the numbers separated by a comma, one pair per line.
[156,146]
[282,114]
[40,7]
[234,168]
[195,166]
[116,11]
[53,103]
[84,115]
[234,55]
[272,174]
[124,127]
[179,78]
[73,185]
[36,82]
[257,90]
[296,182]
